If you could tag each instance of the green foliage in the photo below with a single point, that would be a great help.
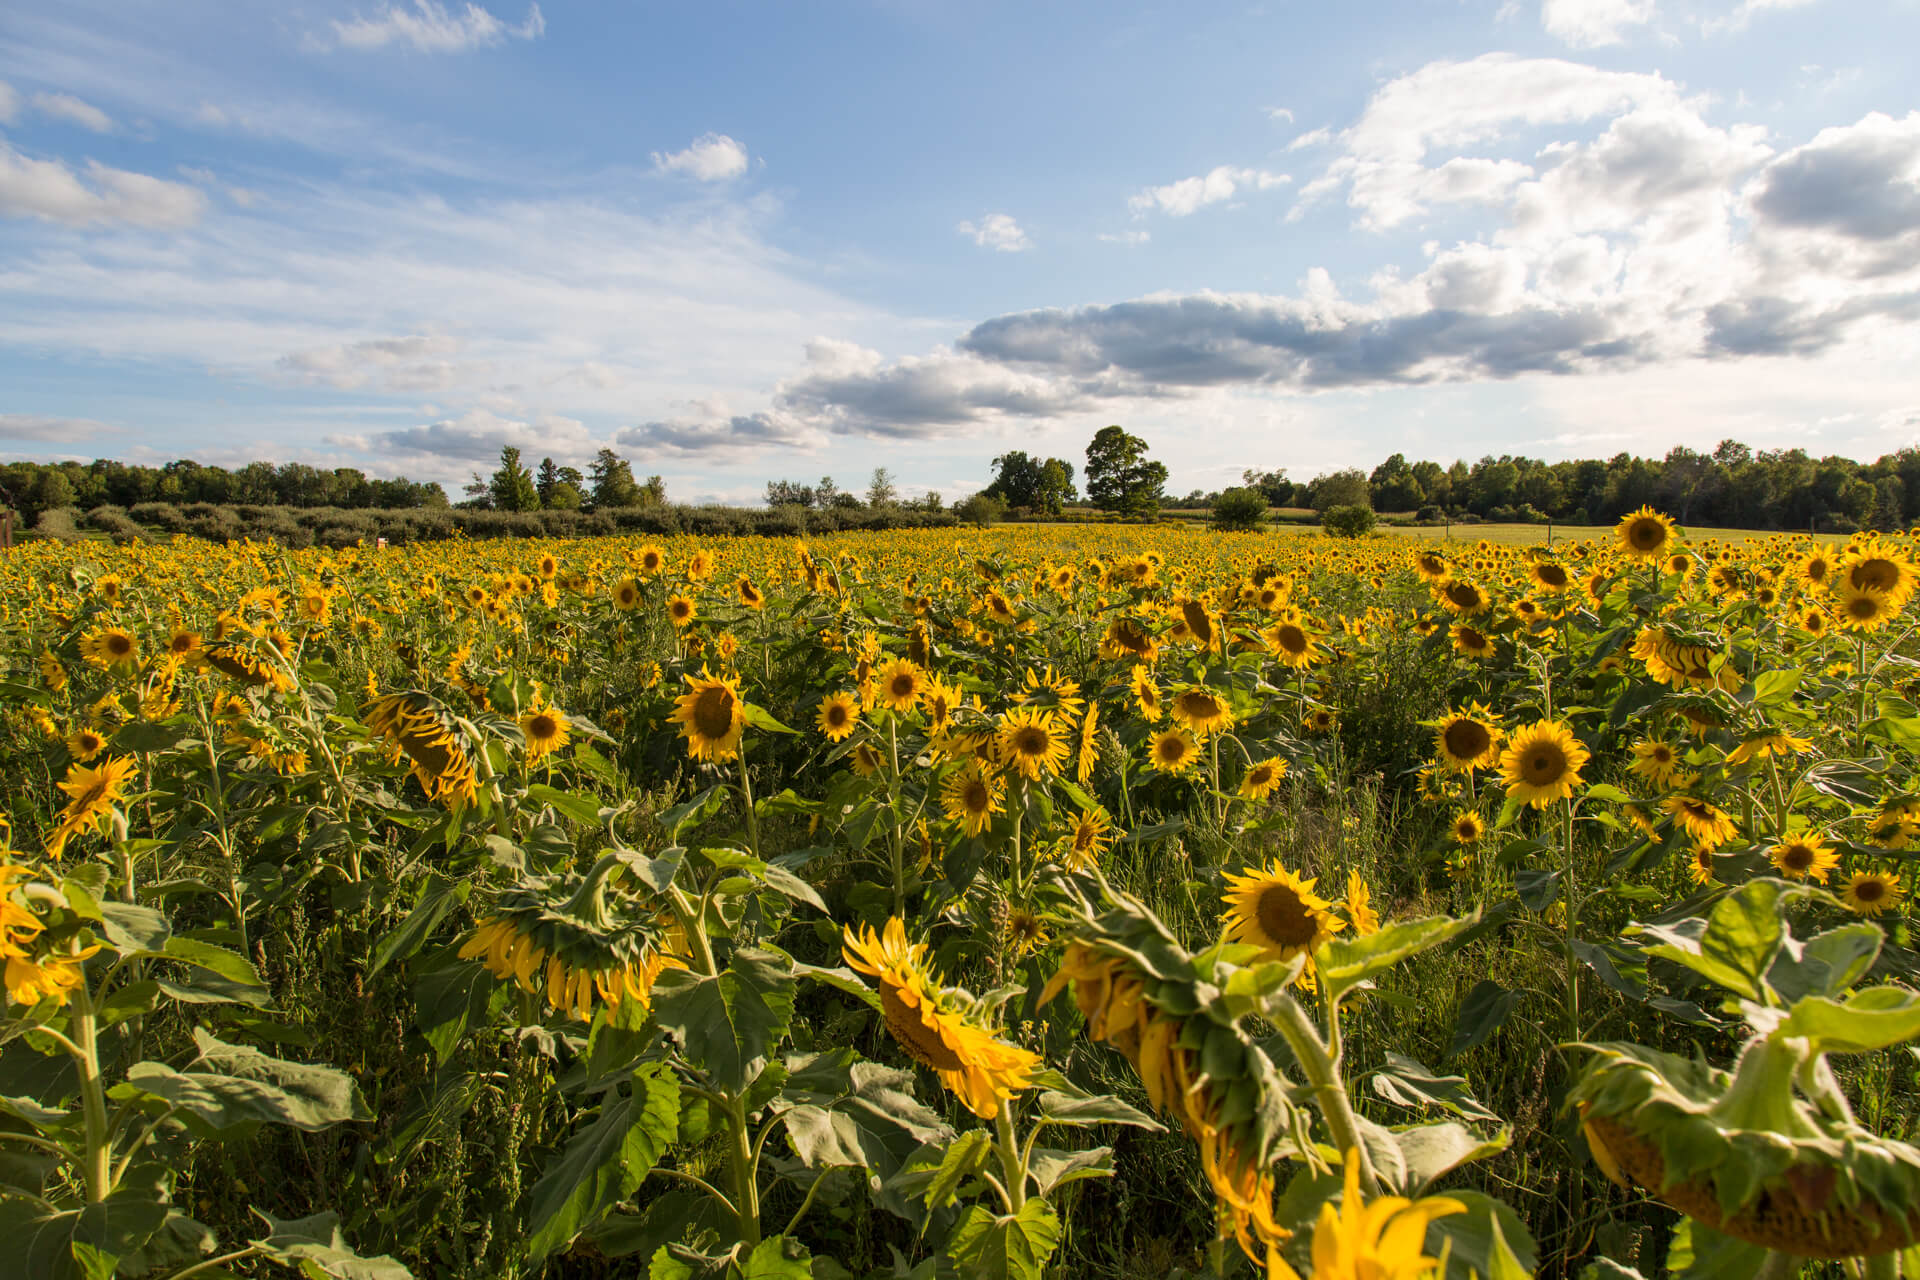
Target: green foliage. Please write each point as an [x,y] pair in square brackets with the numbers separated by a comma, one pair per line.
[1348,522]
[1119,477]
[1240,510]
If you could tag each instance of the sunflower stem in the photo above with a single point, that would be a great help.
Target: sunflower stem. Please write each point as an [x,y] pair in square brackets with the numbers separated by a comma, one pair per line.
[1012,1168]
[1323,1081]
[93,1098]
[746,1183]
[1782,1266]
[746,798]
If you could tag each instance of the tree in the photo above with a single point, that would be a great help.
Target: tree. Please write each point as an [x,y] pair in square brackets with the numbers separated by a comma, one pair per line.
[1021,480]
[1348,522]
[479,493]
[1119,477]
[612,479]
[1273,485]
[880,489]
[1394,486]
[654,492]
[982,509]
[785,493]
[1347,488]
[512,487]
[1240,509]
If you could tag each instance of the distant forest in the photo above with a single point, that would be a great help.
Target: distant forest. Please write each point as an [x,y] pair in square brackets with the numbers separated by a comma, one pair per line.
[1732,486]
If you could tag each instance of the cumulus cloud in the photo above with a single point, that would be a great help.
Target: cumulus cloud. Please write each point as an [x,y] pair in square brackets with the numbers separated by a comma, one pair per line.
[850,390]
[1189,195]
[1848,201]
[1588,24]
[713,157]
[35,426]
[413,363]
[50,191]
[997,231]
[430,27]
[64,106]
[739,433]
[479,434]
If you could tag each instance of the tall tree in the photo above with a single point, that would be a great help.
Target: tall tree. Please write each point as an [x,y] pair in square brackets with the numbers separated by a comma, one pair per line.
[881,491]
[512,486]
[612,478]
[1119,477]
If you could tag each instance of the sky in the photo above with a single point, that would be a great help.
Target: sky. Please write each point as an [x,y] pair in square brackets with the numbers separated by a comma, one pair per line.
[741,242]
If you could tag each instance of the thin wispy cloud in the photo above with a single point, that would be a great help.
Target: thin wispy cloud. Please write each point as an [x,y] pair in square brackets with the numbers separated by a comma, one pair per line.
[430,27]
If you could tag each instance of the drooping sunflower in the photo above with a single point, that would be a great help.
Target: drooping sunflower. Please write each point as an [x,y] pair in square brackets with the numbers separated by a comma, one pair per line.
[545,730]
[1278,912]
[1700,865]
[1542,763]
[1172,751]
[92,791]
[107,647]
[1050,692]
[1468,739]
[1202,624]
[1869,893]
[1360,910]
[1089,753]
[1262,777]
[711,716]
[1127,638]
[1146,694]
[1804,857]
[1031,741]
[839,714]
[1202,711]
[576,953]
[53,673]
[1706,823]
[970,796]
[900,685]
[936,1025]
[1779,743]
[748,594]
[1644,534]
[417,726]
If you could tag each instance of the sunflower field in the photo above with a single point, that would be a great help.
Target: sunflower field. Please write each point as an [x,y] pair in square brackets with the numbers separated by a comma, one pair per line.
[1062,902]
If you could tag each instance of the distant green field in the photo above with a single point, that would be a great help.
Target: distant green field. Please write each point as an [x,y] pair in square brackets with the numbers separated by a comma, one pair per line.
[1526,535]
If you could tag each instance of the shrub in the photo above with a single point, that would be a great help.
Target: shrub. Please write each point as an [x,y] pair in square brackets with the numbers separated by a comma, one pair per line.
[1353,521]
[1429,514]
[115,523]
[1240,509]
[981,510]
[58,524]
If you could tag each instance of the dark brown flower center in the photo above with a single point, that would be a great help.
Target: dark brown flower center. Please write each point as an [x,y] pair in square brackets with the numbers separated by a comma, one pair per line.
[922,1043]
[1284,918]
[713,712]
[1467,739]
[1544,765]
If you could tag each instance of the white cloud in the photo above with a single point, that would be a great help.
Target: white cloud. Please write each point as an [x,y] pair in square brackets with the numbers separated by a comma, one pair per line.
[64,106]
[1188,195]
[478,436]
[48,190]
[1843,207]
[848,389]
[713,157]
[1744,13]
[35,426]
[1280,113]
[997,231]
[413,363]
[1311,138]
[1588,24]
[1124,237]
[430,27]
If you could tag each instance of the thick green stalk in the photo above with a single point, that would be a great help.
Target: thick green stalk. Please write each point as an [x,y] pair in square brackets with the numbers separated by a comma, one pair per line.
[1013,1170]
[93,1099]
[1323,1080]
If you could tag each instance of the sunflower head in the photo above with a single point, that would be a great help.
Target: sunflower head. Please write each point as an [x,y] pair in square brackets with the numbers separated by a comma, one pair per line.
[1644,534]
[711,716]
[1542,763]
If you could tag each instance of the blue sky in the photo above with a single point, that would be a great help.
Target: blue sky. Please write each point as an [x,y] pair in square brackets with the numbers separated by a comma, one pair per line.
[746,241]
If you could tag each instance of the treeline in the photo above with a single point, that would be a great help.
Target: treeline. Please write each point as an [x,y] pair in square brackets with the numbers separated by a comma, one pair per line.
[1733,486]
[33,487]
[341,527]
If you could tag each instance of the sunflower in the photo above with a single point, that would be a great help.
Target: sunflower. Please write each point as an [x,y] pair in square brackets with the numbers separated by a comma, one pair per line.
[1054,693]
[650,560]
[1202,624]
[106,647]
[1542,763]
[938,705]
[1089,754]
[626,594]
[1319,720]
[1380,1239]
[1146,694]
[1700,865]
[1706,823]
[748,594]
[1202,711]
[575,959]
[1172,751]
[1290,642]
[1081,847]
[85,743]
[1022,932]
[1769,744]
[1467,827]
[839,713]
[1431,566]
[971,796]
[1360,910]
[1126,638]
[1868,893]
[1031,741]
[1278,912]
[1468,739]
[52,673]
[418,727]
[545,730]
[711,716]
[1654,761]
[1875,565]
[1461,598]
[700,565]
[92,793]
[1644,534]
[935,1025]
[900,685]
[1262,777]
[1804,857]
[681,611]
[1550,576]
[1815,570]
[866,760]
[1471,642]
[1859,608]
